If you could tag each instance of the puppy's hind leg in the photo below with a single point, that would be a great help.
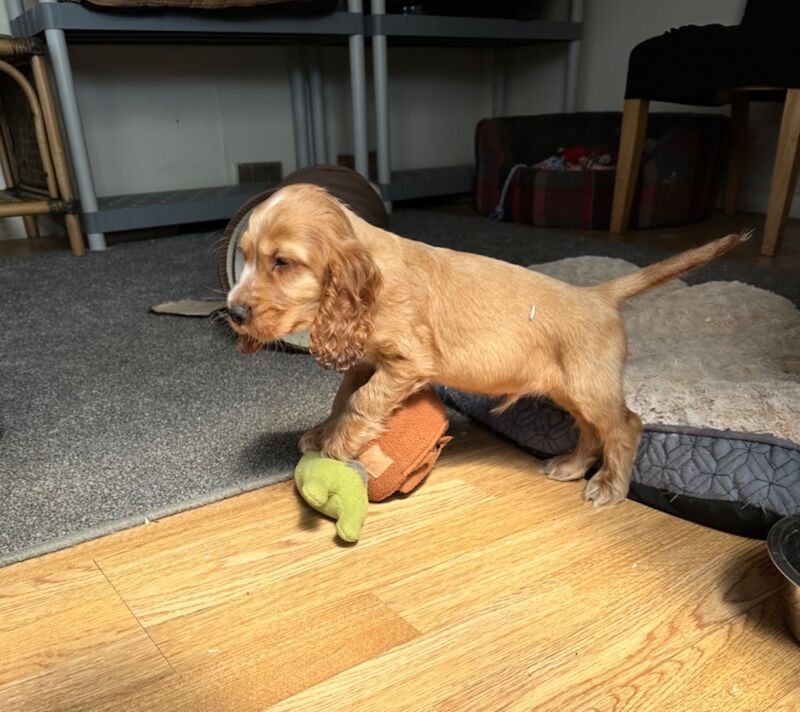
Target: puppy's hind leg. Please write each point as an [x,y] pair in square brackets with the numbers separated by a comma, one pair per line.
[574,465]
[620,430]
[593,381]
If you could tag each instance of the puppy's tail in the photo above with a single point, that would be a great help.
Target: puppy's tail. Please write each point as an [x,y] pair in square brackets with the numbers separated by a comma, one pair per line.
[629,285]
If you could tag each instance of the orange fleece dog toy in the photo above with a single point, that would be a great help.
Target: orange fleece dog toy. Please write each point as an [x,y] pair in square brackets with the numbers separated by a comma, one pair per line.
[404,455]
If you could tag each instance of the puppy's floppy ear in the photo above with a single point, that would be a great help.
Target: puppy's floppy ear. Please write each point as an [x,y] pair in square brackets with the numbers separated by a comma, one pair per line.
[344,319]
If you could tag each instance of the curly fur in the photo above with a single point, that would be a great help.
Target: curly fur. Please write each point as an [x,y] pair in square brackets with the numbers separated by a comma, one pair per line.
[344,318]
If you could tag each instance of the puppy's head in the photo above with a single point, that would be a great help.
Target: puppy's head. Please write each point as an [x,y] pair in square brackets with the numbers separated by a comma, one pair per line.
[304,269]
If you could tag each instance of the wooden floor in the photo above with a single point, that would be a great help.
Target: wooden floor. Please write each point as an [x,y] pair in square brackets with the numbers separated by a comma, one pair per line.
[489,588]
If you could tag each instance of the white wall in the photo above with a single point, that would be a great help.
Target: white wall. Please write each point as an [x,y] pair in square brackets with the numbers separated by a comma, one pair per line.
[163,117]
[183,117]
[171,117]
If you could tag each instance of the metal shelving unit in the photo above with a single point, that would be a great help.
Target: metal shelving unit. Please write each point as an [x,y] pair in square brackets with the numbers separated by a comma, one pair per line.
[63,23]
[428,30]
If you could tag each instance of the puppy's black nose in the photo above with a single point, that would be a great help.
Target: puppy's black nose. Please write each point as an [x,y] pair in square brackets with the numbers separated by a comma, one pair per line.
[240,313]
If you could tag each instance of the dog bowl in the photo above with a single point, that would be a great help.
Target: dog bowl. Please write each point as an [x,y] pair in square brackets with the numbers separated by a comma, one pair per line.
[351,188]
[783,543]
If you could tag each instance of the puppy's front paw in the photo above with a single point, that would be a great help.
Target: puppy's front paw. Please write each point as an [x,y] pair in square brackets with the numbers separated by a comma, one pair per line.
[312,440]
[335,447]
[606,488]
[337,451]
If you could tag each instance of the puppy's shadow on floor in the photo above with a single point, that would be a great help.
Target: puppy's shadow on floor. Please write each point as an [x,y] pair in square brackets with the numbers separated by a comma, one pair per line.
[271,453]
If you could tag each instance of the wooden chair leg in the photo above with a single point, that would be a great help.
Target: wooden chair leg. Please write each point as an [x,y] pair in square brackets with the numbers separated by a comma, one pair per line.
[31,226]
[6,161]
[737,161]
[784,173]
[59,152]
[634,128]
[74,233]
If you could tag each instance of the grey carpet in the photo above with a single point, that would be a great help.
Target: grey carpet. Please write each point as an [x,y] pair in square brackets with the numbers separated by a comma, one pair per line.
[109,413]
[521,245]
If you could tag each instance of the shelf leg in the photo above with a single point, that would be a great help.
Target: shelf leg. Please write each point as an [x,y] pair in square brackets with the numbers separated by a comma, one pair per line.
[358,88]
[318,107]
[380,76]
[62,73]
[299,87]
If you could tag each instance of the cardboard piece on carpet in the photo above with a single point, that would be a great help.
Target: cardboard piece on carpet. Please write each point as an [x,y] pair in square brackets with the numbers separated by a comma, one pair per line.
[187,307]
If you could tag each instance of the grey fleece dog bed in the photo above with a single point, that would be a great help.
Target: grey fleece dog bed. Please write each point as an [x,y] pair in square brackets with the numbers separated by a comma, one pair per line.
[714,371]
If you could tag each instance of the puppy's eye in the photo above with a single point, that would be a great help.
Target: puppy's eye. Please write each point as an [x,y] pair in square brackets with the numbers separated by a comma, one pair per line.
[280,263]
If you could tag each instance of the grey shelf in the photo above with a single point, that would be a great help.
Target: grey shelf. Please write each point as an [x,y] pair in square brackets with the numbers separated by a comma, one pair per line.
[181,207]
[165,25]
[429,182]
[453,30]
[174,207]
[93,24]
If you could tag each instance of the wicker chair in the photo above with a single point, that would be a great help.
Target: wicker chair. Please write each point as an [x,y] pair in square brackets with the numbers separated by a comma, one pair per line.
[32,153]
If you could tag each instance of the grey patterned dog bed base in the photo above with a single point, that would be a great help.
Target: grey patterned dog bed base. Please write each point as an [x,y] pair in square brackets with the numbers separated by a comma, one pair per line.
[736,482]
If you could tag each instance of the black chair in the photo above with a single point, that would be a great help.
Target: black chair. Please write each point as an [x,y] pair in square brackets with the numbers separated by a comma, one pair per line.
[712,65]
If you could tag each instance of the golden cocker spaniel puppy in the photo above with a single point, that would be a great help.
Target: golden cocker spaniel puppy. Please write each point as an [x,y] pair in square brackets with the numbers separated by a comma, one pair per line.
[395,315]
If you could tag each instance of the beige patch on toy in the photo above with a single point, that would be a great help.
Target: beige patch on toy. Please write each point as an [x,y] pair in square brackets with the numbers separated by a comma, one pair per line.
[376,461]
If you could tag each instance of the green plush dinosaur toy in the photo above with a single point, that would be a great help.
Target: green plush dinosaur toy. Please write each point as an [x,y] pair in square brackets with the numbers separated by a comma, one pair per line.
[335,488]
